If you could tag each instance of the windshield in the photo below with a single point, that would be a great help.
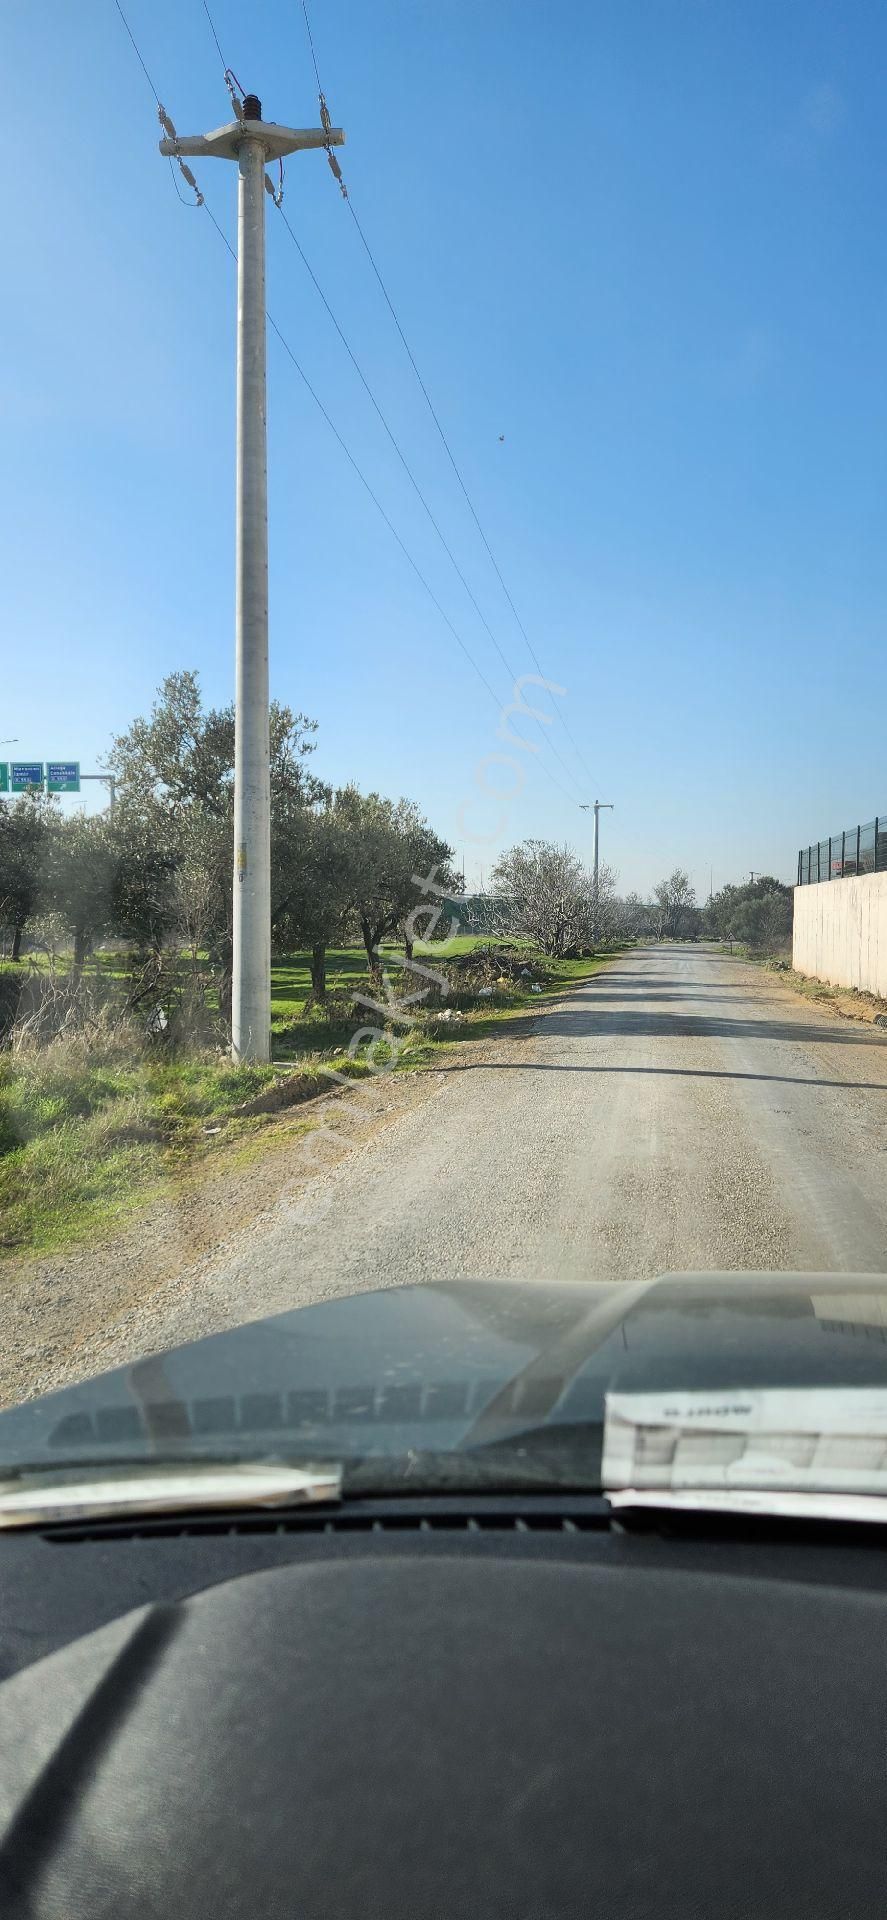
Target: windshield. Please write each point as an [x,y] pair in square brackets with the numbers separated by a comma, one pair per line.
[483,1386]
[443,818]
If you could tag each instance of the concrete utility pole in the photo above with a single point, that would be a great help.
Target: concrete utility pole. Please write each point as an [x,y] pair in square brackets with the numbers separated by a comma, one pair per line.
[600,806]
[599,809]
[251,141]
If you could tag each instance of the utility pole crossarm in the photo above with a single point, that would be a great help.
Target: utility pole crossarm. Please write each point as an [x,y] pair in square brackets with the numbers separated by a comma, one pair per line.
[224,143]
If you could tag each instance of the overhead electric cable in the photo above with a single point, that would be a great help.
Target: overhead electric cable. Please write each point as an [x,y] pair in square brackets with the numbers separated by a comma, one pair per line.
[434,415]
[341,442]
[215,37]
[311,45]
[414,482]
[136,51]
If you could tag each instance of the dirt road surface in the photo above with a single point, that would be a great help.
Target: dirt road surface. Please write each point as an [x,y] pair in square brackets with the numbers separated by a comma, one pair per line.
[683,1110]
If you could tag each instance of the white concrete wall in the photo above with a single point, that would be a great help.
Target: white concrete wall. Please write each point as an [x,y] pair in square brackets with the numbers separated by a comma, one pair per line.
[841,932]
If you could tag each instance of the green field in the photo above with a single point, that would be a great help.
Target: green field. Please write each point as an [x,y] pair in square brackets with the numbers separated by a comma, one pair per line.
[90,1129]
[347,972]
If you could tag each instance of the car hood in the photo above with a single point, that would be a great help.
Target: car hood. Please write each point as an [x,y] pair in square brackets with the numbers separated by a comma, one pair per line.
[410,1371]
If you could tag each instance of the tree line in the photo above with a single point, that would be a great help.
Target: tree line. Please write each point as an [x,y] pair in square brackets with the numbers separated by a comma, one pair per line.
[155,873]
[758,915]
[545,892]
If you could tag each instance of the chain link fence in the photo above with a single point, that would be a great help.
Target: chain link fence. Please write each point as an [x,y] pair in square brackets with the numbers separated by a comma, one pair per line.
[857,850]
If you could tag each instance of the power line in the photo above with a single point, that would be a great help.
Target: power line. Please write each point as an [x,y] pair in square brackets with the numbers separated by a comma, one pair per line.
[469,502]
[277,197]
[136,51]
[330,423]
[183,197]
[229,76]
[166,123]
[344,447]
[311,45]
[353,463]
[365,482]
[412,479]
[447,448]
[215,36]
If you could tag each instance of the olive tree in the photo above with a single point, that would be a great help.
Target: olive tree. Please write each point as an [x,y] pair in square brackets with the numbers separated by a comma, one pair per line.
[760,914]
[392,847]
[314,866]
[175,831]
[26,830]
[147,851]
[183,755]
[676,902]
[80,881]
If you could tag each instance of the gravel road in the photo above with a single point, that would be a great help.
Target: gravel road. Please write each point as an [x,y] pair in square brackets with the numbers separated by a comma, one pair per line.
[683,1110]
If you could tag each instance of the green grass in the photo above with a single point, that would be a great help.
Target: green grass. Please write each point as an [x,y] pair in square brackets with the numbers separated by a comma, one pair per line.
[465,943]
[290,974]
[82,1143]
[346,971]
[567,972]
[103,965]
[482,1019]
[89,1133]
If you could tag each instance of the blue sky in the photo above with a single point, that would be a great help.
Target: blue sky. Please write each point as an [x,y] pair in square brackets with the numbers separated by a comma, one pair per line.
[641,239]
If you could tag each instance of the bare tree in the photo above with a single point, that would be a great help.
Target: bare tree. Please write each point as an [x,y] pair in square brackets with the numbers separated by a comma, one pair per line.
[545,895]
[633,917]
[607,919]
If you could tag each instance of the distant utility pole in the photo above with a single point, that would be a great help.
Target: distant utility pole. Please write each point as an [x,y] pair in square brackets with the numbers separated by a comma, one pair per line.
[251,141]
[600,806]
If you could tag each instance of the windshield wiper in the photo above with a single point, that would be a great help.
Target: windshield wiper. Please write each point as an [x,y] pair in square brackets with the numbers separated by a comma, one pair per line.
[47,1497]
[764,1502]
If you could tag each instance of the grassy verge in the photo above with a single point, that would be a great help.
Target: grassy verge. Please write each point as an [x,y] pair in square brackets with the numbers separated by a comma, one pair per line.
[90,1133]
[851,1003]
[480,1019]
[83,1141]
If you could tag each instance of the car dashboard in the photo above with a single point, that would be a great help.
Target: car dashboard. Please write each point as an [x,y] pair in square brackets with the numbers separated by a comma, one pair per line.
[442,1706]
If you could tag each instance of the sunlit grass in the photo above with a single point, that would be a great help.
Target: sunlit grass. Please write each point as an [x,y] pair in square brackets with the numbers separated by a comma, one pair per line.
[89,1132]
[82,1144]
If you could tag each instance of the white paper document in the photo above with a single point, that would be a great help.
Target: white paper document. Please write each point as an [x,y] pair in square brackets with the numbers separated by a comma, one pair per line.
[817,1439]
